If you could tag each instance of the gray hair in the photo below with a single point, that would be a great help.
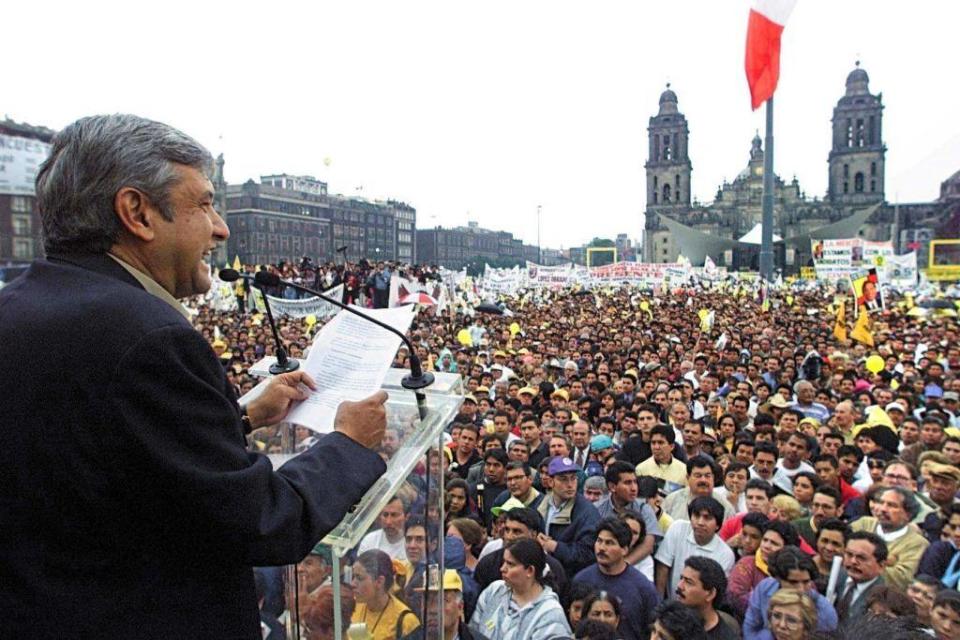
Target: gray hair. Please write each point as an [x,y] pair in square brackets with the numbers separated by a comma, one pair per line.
[910,503]
[91,160]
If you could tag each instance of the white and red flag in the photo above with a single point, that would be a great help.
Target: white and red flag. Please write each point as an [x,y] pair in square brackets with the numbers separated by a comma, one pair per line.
[767,18]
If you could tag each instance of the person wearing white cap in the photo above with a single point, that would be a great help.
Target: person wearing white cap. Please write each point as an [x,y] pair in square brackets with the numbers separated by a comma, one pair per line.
[897,413]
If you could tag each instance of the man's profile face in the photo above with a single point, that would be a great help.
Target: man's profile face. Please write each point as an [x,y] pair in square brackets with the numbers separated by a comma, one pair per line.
[181,247]
[690,591]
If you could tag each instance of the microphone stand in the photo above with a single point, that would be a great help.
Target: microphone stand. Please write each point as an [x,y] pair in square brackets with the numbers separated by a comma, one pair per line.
[284,364]
[416,381]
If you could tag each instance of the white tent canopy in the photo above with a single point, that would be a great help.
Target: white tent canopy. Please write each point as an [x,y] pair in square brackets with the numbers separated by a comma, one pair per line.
[755,236]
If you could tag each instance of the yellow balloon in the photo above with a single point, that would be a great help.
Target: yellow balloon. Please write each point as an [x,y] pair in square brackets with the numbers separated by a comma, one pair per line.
[463,337]
[310,320]
[875,364]
[789,301]
[703,313]
[645,306]
[514,328]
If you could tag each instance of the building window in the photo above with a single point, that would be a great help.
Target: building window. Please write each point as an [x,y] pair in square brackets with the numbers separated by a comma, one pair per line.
[873,169]
[873,186]
[846,187]
[849,132]
[21,225]
[846,171]
[860,136]
[23,248]
[871,131]
[858,182]
[667,152]
[20,204]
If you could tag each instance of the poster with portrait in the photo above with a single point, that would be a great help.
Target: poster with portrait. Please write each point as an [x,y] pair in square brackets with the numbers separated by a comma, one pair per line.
[866,292]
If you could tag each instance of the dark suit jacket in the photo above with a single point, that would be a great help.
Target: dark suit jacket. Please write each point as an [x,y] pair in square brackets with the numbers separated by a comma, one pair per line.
[129,506]
[858,607]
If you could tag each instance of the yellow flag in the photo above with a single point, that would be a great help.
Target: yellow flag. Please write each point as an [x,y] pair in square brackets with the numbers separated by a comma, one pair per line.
[236,263]
[840,326]
[861,331]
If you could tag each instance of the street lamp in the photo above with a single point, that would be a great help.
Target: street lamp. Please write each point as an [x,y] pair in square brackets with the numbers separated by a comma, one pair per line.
[539,250]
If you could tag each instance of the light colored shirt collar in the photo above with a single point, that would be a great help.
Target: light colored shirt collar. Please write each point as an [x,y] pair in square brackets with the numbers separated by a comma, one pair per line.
[893,535]
[151,286]
[860,587]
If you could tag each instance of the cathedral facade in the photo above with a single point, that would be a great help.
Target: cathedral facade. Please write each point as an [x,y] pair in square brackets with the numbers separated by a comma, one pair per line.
[728,228]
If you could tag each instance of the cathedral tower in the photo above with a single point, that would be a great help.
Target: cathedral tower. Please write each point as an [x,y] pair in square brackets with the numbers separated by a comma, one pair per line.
[668,165]
[857,157]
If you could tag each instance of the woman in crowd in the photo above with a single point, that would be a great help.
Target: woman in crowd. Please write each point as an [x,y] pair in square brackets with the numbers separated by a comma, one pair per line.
[520,605]
[638,533]
[603,606]
[750,570]
[790,570]
[473,537]
[317,620]
[727,429]
[792,615]
[804,484]
[385,616]
[458,500]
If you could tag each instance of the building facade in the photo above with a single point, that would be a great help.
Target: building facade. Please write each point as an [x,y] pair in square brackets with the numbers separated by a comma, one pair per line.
[856,173]
[22,149]
[285,218]
[455,248]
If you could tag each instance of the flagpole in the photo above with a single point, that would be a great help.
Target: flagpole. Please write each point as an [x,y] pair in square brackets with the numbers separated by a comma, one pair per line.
[766,236]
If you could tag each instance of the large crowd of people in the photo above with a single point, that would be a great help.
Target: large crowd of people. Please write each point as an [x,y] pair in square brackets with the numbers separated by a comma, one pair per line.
[619,471]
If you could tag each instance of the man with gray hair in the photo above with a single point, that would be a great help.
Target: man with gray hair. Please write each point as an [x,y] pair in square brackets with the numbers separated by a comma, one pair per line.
[896,508]
[130,507]
[806,392]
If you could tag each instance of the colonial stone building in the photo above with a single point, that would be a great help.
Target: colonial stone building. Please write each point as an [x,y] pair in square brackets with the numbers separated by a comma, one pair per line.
[285,217]
[854,204]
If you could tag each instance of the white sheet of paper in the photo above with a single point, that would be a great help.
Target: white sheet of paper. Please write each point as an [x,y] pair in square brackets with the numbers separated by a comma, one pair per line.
[349,360]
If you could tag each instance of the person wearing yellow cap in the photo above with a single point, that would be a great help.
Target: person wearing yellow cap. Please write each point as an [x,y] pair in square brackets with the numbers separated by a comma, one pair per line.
[452,605]
[526,395]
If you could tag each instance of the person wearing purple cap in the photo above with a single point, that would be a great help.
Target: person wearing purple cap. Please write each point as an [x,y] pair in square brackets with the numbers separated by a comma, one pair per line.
[570,519]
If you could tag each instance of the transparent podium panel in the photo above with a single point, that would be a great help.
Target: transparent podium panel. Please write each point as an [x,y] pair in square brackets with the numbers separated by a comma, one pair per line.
[377,575]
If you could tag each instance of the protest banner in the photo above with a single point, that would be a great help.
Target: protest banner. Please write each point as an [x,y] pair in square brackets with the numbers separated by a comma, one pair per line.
[304,307]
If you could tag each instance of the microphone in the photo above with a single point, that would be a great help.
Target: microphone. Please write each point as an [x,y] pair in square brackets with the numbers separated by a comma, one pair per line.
[418,378]
[283,364]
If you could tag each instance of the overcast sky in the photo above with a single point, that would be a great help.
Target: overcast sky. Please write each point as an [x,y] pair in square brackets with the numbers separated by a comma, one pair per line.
[483,110]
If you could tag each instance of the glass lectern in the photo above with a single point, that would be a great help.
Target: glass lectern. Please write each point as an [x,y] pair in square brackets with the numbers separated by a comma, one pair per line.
[364,581]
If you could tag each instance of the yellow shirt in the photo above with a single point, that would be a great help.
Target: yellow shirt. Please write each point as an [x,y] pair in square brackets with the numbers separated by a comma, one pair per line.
[382,625]
[674,473]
